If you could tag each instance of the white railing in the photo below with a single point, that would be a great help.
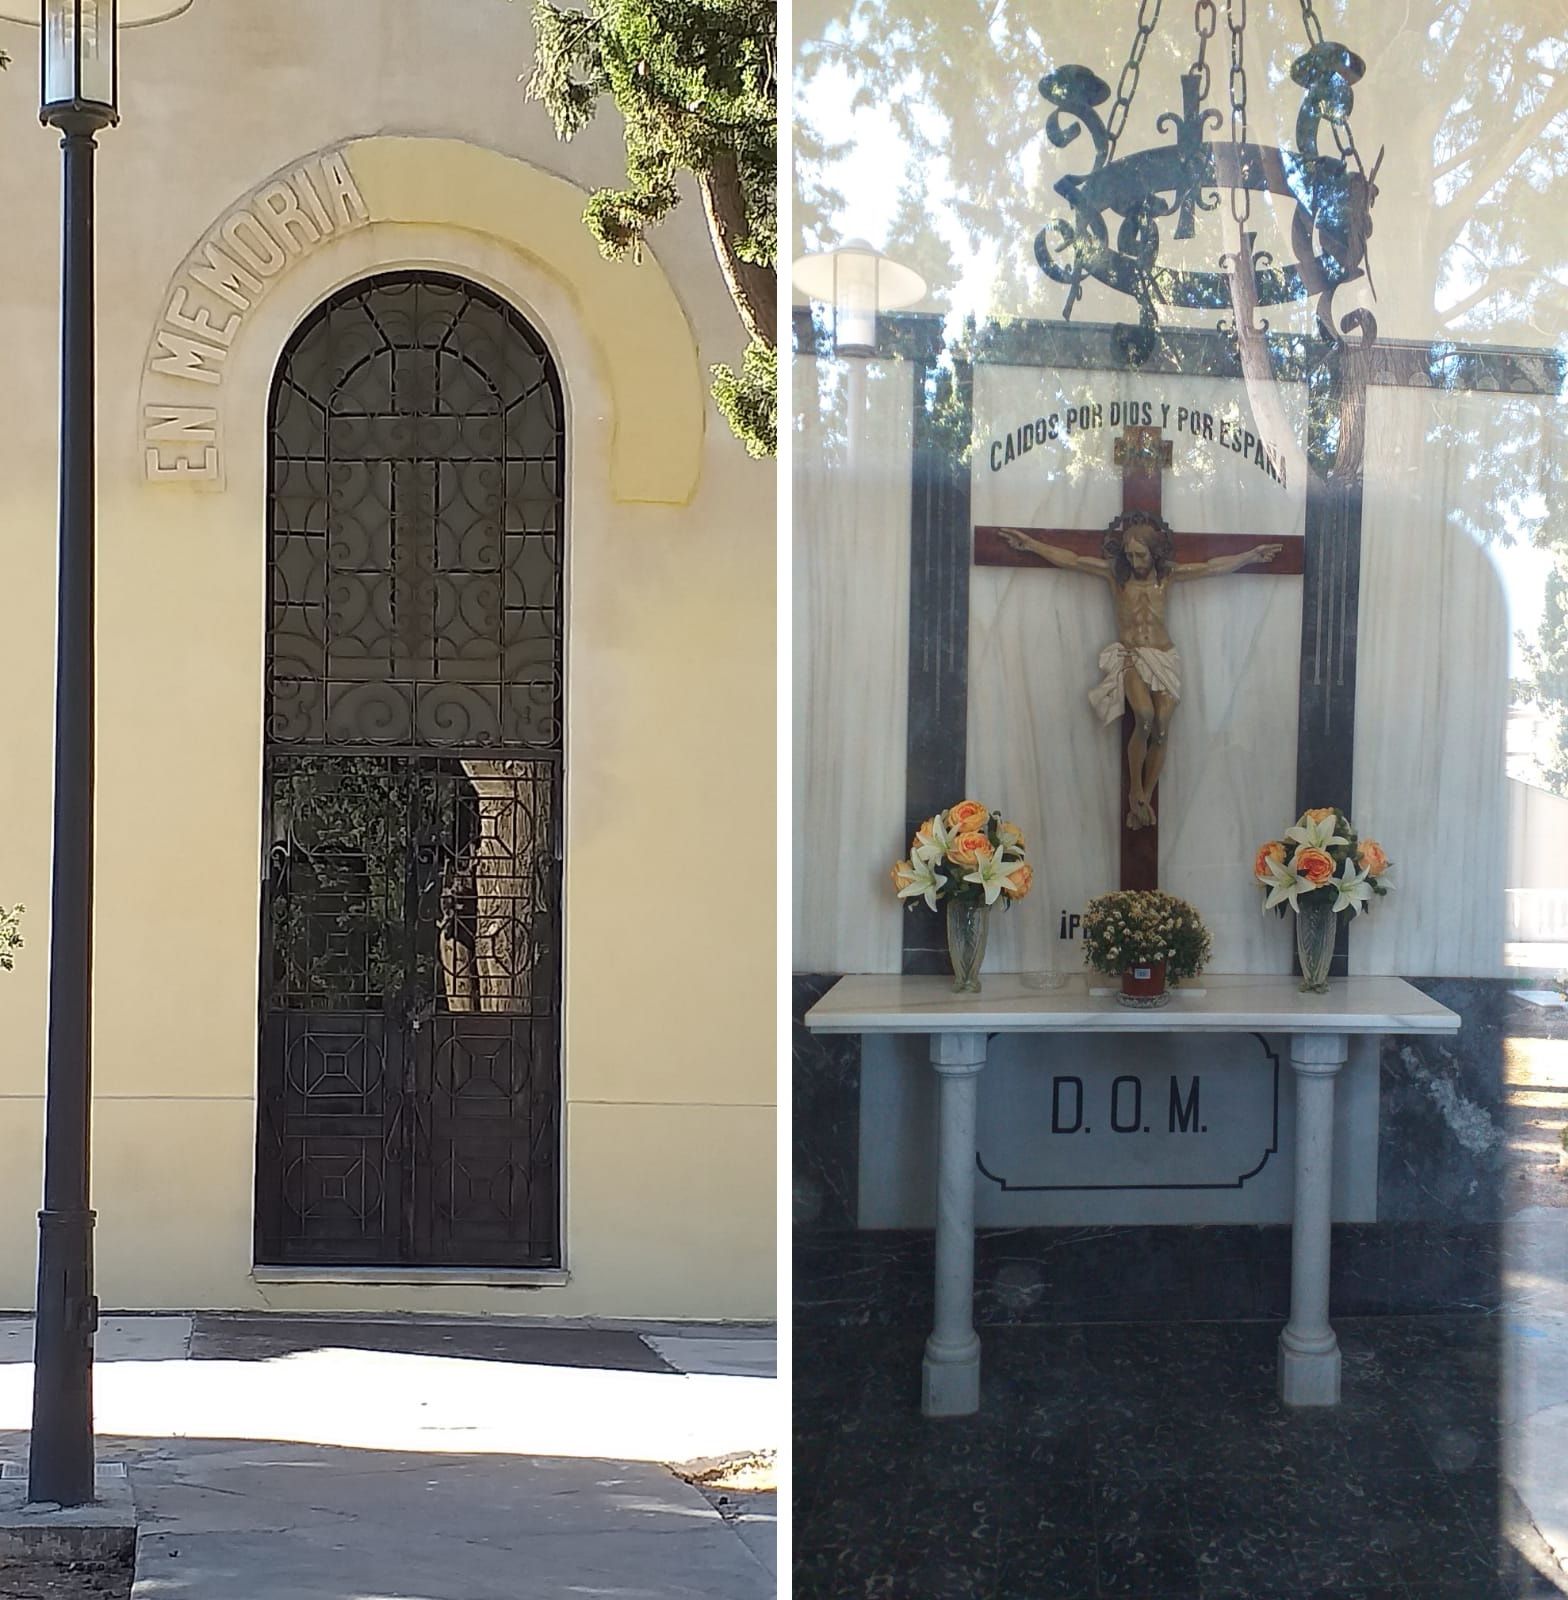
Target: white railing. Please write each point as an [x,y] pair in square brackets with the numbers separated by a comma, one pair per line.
[1538,916]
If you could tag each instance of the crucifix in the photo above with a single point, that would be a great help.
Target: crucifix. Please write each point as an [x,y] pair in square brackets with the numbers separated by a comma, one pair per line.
[1141,557]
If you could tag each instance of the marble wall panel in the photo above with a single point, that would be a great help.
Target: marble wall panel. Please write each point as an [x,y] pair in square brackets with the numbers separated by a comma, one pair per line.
[1037,751]
[1444,478]
[851,659]
[1138,1178]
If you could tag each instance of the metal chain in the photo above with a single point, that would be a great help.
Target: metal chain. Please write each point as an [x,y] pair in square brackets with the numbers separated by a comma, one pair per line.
[1236,18]
[1127,84]
[1344,139]
[1204,19]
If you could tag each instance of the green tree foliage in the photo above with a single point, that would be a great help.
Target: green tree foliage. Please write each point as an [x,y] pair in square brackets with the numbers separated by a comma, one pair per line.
[695,82]
[1547,664]
[10,935]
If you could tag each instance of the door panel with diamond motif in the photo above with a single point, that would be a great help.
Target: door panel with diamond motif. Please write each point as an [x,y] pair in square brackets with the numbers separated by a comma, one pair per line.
[409,1095]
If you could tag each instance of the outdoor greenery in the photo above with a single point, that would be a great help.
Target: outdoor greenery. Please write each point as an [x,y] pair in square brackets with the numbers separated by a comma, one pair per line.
[1546,661]
[10,935]
[695,82]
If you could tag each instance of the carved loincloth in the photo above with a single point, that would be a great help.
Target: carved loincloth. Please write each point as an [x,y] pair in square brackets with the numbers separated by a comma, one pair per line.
[1160,669]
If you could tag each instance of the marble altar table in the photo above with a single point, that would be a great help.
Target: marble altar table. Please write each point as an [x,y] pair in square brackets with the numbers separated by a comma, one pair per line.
[959,1026]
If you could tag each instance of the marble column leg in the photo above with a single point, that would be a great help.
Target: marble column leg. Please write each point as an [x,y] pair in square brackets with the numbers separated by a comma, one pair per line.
[1308,1350]
[950,1384]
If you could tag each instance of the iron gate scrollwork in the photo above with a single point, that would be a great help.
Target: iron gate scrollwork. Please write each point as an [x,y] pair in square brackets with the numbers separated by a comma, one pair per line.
[411,906]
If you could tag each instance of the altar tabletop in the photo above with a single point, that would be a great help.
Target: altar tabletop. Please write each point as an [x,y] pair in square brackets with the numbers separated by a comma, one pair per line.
[1218,1003]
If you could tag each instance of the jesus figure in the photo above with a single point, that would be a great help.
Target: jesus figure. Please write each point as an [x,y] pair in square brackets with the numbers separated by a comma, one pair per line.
[1142,669]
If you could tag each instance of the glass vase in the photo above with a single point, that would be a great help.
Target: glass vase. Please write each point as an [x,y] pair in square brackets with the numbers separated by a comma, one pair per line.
[1316,925]
[968,921]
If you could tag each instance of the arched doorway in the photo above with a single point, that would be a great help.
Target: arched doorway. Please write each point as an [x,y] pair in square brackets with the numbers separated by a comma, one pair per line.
[409,1094]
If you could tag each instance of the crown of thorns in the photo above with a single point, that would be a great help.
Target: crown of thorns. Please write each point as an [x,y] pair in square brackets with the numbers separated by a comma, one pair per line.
[1156,533]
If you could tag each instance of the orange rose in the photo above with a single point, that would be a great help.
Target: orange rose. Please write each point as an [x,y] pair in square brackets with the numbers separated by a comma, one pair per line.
[903,875]
[1017,883]
[1273,851]
[1316,866]
[1370,858]
[968,848]
[1009,835]
[1320,813]
[968,816]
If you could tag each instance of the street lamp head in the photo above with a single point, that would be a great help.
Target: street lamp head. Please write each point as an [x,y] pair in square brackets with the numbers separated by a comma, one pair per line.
[81,67]
[858,281]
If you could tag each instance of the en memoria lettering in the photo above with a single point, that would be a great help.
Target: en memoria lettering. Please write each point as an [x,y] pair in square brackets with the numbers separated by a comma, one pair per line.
[217,286]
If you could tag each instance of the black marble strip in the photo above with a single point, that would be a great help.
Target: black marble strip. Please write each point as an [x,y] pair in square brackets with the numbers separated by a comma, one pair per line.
[1331,596]
[939,559]
[825,1130]
[1206,352]
[1446,365]
[1099,1274]
[1037,341]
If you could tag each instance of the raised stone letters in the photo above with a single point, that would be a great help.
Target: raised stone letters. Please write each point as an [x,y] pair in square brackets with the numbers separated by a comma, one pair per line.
[189,433]
[221,280]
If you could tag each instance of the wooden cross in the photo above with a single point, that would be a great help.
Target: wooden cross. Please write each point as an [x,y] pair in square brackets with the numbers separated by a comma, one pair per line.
[1141,453]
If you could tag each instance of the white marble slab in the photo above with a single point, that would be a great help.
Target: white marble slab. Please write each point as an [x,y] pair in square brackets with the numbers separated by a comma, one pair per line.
[1232,1165]
[1036,750]
[851,662]
[886,1003]
[1432,672]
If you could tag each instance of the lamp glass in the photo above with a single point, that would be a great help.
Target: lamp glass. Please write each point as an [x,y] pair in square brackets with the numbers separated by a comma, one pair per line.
[79,48]
[855,301]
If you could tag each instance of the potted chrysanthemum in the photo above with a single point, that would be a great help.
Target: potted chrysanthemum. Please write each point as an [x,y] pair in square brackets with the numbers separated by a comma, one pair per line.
[1146,938]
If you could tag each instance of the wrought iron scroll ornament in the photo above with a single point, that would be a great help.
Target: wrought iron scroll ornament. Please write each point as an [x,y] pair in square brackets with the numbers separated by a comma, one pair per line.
[1333,193]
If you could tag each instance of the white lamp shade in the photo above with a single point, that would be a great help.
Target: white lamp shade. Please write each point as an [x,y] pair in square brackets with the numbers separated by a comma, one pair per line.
[858,281]
[79,54]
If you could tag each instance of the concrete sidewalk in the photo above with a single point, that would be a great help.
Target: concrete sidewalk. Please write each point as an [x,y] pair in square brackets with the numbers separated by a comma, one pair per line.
[419,1460]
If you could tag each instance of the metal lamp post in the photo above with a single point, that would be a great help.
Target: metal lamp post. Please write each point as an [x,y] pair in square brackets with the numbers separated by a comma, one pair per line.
[858,281]
[80,90]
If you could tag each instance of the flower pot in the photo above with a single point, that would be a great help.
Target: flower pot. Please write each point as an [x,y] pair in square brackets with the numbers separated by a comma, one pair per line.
[1144,986]
[968,922]
[1317,924]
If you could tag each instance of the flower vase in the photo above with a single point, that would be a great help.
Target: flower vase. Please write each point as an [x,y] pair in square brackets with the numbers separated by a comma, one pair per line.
[1317,923]
[968,922]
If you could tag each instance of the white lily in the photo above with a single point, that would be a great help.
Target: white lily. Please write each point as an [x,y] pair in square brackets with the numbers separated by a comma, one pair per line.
[1284,886]
[933,847]
[992,873]
[1353,889]
[1317,835]
[927,881]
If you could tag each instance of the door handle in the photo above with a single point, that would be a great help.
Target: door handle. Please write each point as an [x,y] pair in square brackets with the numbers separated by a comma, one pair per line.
[390,1144]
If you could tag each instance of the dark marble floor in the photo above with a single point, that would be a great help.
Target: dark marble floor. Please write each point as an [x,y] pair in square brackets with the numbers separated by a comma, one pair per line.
[1153,1460]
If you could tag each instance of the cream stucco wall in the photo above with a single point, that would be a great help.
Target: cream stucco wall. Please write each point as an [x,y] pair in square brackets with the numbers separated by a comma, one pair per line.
[669,1122]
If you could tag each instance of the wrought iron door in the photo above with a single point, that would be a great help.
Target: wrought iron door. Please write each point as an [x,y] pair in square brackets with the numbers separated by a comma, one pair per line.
[409,1096]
